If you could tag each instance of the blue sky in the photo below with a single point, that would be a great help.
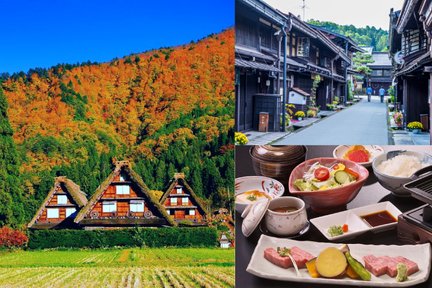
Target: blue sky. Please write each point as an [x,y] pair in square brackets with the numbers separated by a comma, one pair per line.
[44,33]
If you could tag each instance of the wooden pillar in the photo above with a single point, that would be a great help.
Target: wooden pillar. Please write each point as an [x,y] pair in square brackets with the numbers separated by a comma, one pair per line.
[428,69]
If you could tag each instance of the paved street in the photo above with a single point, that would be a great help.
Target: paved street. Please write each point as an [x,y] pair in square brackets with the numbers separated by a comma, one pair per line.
[362,123]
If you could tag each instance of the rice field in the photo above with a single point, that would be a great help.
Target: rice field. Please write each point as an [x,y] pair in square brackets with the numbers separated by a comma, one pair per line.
[169,267]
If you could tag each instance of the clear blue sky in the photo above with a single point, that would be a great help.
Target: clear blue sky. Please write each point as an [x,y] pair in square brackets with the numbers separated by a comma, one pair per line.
[44,33]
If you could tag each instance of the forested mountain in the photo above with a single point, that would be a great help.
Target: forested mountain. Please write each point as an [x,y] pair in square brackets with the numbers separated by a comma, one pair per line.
[368,36]
[166,110]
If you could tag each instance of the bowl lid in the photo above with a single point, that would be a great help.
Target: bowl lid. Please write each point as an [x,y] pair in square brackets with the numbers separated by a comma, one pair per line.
[253,215]
[278,153]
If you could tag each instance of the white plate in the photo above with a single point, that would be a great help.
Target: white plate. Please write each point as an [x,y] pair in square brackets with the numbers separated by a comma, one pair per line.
[356,225]
[259,266]
[374,150]
[268,185]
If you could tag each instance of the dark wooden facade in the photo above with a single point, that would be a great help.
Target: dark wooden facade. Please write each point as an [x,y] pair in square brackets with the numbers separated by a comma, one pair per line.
[60,206]
[181,203]
[382,70]
[122,200]
[410,36]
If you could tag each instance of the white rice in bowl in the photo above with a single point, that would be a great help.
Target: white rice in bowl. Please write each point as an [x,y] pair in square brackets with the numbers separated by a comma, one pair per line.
[401,166]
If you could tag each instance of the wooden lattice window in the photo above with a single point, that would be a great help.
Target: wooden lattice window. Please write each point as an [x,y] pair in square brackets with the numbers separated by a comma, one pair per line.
[303,47]
[413,41]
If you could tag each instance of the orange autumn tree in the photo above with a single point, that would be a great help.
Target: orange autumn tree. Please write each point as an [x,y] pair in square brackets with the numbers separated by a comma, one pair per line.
[167,108]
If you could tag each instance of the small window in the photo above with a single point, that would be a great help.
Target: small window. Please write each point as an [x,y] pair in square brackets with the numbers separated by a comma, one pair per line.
[122,189]
[173,201]
[137,205]
[52,213]
[303,47]
[168,211]
[61,199]
[185,200]
[179,190]
[122,177]
[109,206]
[70,211]
[192,212]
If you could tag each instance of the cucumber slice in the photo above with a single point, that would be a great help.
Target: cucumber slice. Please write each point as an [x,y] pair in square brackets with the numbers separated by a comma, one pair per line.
[342,177]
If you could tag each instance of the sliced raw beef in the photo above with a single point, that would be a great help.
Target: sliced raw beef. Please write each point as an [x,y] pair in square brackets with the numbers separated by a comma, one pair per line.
[375,265]
[273,256]
[412,266]
[391,265]
[299,256]
[385,264]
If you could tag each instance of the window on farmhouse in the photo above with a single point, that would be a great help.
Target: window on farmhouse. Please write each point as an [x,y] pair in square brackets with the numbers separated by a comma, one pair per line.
[413,41]
[70,211]
[122,189]
[303,47]
[52,213]
[122,177]
[179,190]
[173,201]
[110,206]
[185,200]
[137,206]
[192,212]
[61,199]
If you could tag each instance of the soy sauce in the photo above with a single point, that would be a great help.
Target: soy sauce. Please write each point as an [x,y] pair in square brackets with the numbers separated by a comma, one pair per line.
[379,218]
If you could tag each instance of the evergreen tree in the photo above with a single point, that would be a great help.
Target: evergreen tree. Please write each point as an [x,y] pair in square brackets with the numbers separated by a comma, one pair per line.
[11,199]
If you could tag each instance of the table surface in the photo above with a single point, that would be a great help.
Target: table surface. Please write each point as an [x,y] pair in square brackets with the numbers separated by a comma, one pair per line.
[372,192]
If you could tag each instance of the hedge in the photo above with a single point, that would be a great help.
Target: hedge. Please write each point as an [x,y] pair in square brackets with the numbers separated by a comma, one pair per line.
[144,237]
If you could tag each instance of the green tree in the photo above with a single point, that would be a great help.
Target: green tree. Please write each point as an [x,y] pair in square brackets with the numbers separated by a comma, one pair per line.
[11,199]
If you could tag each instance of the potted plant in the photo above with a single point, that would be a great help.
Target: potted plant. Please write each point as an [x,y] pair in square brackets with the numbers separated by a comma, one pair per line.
[415,127]
[240,138]
[299,115]
[311,113]
[398,118]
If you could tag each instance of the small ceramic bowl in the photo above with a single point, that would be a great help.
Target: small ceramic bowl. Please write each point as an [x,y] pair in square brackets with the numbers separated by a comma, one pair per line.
[286,223]
[396,184]
[374,151]
[269,186]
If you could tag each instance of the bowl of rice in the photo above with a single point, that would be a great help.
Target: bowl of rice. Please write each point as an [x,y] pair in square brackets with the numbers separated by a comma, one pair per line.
[396,168]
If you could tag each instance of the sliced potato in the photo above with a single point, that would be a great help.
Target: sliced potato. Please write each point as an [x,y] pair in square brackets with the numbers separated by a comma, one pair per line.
[331,262]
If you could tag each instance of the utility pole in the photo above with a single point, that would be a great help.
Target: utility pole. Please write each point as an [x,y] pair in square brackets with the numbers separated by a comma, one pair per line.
[304,10]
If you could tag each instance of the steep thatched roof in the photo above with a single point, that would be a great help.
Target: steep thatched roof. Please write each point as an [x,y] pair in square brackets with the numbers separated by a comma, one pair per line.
[125,167]
[179,178]
[78,196]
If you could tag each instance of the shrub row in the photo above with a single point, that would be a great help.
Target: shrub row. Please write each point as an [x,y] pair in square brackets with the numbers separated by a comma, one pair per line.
[144,237]
[10,238]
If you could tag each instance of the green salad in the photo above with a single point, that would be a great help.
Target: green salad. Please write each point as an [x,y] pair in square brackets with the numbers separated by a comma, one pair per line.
[320,177]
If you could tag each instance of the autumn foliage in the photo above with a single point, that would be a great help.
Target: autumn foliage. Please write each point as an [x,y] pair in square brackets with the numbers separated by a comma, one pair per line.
[10,238]
[166,110]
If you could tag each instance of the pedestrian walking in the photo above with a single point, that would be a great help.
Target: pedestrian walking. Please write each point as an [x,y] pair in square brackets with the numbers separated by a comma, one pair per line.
[369,92]
[381,93]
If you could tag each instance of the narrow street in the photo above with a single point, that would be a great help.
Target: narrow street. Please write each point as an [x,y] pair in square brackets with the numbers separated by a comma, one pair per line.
[363,123]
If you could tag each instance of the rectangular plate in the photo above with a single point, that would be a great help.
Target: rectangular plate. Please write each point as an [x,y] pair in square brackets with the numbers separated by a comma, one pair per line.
[259,266]
[356,225]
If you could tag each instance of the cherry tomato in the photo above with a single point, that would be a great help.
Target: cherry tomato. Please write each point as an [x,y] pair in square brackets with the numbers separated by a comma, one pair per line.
[322,174]
[345,228]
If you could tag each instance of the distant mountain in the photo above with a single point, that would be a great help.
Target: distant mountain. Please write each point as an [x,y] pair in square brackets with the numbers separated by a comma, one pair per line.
[369,36]
[166,110]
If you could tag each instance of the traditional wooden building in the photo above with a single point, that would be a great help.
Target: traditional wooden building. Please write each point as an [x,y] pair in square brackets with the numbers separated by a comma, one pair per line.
[261,32]
[182,204]
[410,44]
[123,200]
[381,72]
[60,207]
[256,58]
